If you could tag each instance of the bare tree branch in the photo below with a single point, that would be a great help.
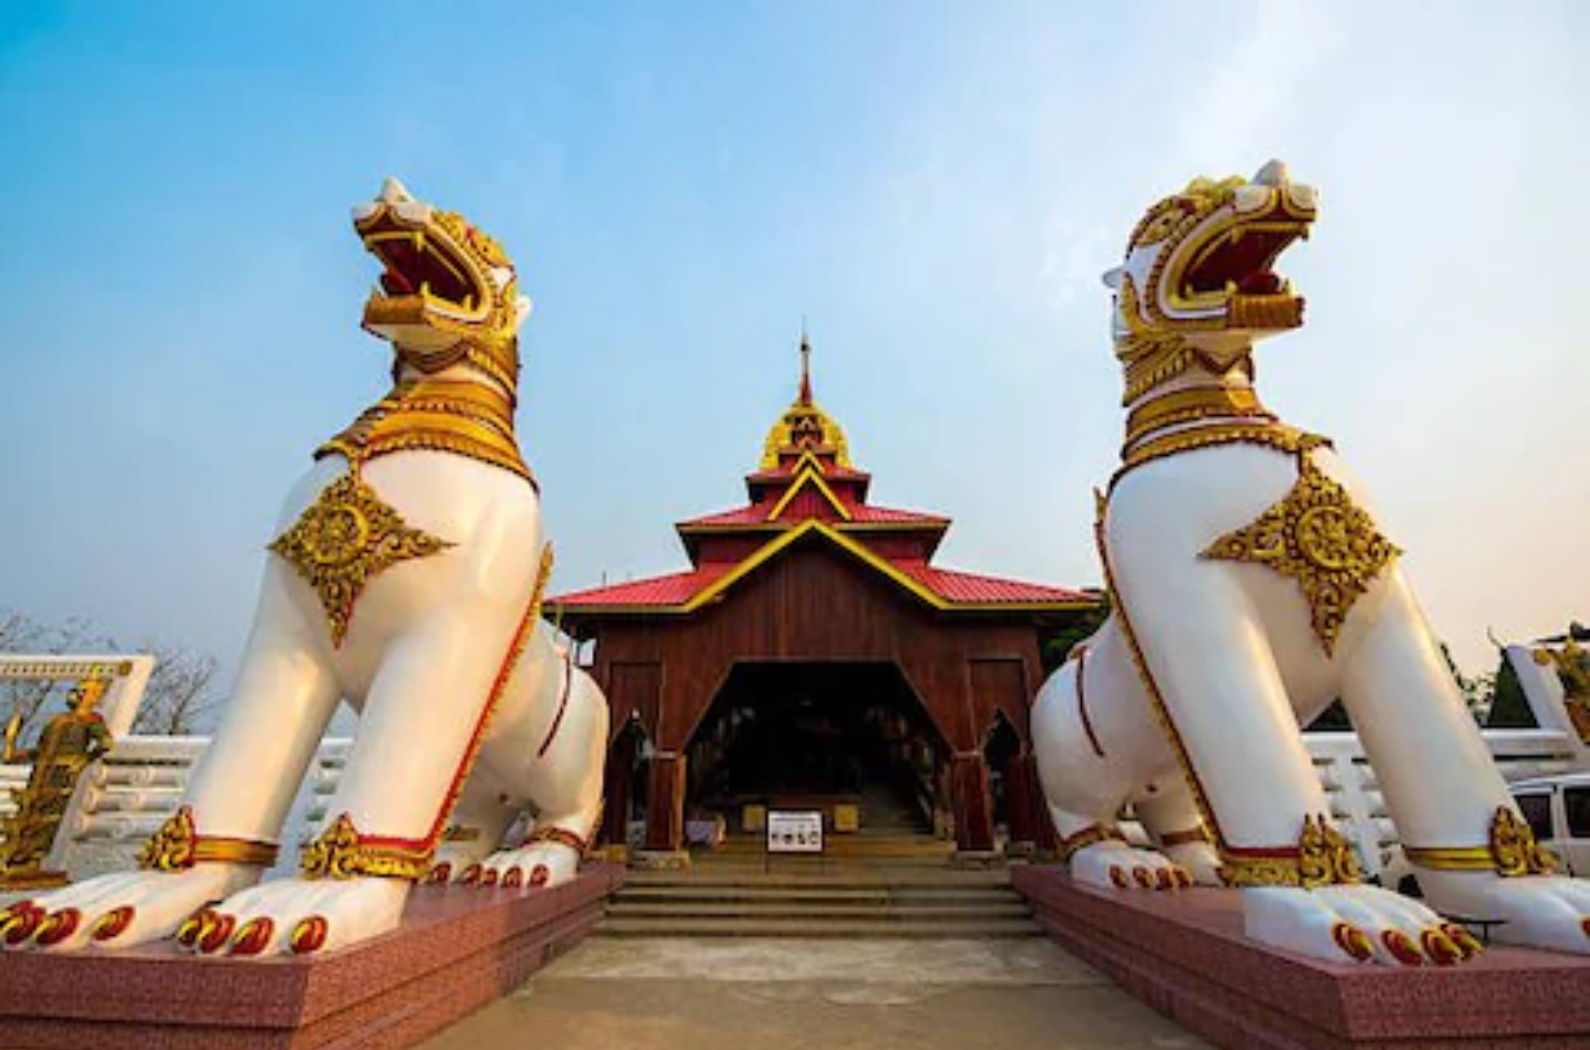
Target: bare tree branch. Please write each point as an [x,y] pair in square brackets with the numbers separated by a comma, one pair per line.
[180,690]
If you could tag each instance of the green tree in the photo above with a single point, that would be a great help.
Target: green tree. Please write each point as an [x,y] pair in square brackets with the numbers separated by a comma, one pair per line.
[1509,707]
[1081,626]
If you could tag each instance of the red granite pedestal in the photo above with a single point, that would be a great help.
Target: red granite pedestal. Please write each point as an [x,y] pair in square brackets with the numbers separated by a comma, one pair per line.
[458,949]
[1183,953]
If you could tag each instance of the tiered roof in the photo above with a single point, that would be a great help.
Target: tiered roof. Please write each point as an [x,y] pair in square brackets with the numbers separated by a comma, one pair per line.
[806,489]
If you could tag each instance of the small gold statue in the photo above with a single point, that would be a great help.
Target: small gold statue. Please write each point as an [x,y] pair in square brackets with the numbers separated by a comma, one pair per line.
[1572,664]
[68,743]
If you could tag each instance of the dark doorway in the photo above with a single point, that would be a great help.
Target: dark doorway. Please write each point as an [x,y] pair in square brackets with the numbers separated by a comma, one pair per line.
[1001,747]
[819,735]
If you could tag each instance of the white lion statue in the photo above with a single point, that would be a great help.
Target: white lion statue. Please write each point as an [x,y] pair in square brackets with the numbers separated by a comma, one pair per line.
[406,577]
[1251,587]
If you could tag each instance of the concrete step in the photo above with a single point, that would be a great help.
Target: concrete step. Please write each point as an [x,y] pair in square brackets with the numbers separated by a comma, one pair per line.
[870,877]
[827,929]
[969,896]
[816,910]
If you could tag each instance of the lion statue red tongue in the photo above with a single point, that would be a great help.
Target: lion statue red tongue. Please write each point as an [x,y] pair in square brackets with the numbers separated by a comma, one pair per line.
[1261,283]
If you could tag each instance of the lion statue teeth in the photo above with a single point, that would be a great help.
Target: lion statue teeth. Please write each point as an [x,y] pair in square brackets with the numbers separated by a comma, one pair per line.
[405,577]
[1252,585]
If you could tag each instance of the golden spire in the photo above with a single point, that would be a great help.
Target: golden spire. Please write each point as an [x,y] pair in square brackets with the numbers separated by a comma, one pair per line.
[804,425]
[806,366]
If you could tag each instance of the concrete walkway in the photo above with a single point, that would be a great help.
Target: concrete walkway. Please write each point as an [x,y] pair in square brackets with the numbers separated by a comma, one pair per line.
[683,994]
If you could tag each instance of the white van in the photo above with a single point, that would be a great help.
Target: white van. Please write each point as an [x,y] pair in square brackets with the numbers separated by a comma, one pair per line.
[1558,811]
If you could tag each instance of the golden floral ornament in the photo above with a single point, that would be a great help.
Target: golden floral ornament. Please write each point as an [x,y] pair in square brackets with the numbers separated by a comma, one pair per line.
[1320,538]
[1511,850]
[1322,857]
[177,846]
[341,852]
[343,540]
[1513,846]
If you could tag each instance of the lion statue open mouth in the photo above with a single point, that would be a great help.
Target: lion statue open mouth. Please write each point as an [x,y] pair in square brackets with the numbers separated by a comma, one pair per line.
[1252,586]
[405,577]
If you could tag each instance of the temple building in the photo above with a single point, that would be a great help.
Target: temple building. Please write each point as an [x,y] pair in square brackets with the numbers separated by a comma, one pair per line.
[814,656]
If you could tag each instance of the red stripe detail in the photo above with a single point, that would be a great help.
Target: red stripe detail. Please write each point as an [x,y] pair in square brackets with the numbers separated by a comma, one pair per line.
[1263,852]
[563,701]
[1082,704]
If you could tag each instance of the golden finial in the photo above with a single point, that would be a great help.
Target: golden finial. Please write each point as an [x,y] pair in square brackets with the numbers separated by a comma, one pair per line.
[806,365]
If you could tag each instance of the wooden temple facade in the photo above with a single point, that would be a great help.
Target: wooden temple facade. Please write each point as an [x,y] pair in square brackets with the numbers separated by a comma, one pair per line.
[812,648]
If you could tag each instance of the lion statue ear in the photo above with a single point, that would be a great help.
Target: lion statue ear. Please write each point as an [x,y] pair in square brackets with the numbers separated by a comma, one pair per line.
[1111,278]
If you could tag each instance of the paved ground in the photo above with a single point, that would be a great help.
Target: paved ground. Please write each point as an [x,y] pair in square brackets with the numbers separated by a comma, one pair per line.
[680,994]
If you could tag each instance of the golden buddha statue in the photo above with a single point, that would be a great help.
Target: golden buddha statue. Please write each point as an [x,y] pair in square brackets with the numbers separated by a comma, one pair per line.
[67,744]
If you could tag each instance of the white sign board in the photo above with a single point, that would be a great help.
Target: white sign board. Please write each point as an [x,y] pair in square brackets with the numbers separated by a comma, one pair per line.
[794,831]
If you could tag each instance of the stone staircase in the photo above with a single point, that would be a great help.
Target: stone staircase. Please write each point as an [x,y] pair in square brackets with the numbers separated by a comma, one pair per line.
[880,901]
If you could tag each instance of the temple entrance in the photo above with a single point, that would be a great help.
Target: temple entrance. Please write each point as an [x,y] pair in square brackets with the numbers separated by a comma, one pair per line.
[850,739]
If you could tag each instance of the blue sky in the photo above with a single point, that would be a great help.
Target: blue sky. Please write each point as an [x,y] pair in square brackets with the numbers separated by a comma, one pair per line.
[935,186]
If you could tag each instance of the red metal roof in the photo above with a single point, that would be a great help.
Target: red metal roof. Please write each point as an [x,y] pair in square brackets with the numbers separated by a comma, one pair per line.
[674,589]
[973,589]
[955,588]
[816,490]
[831,472]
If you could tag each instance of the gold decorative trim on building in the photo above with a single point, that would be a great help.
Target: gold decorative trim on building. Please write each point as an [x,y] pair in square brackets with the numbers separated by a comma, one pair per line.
[178,846]
[1320,538]
[67,670]
[1322,857]
[341,852]
[343,540]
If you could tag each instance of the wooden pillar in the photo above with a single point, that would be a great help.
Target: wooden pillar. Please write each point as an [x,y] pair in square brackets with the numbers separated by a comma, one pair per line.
[974,824]
[665,811]
[1024,802]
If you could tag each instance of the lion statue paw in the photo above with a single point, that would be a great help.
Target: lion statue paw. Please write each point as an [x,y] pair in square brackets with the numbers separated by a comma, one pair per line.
[1199,859]
[1116,865]
[297,916]
[120,910]
[1354,922]
[1538,911]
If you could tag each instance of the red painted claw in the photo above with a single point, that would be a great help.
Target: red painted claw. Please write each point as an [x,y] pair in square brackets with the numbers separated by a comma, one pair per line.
[1441,949]
[1466,942]
[113,923]
[253,937]
[1402,948]
[58,926]
[1353,941]
[513,878]
[309,935]
[190,930]
[217,931]
[25,919]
